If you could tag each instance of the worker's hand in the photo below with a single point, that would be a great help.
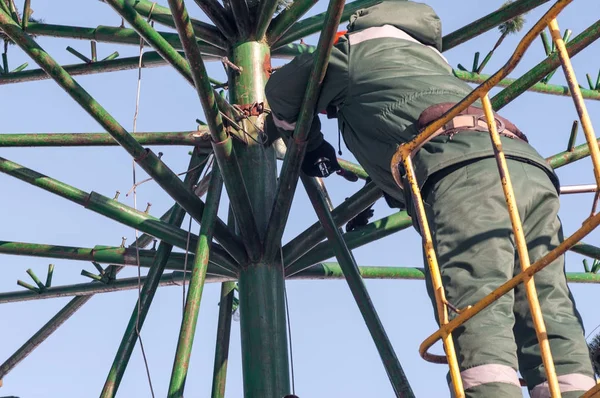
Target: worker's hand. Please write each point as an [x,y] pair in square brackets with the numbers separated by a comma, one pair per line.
[360,220]
[320,162]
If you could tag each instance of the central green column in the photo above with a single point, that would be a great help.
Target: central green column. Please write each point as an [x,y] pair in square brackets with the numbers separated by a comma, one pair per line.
[262,306]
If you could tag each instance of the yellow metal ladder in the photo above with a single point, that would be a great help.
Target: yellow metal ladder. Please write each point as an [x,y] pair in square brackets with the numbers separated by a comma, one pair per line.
[404,157]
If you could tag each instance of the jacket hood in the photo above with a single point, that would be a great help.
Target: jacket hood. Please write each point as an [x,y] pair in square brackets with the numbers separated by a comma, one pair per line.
[417,19]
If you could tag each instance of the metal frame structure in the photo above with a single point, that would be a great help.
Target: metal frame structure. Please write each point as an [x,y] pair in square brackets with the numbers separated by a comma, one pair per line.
[248,248]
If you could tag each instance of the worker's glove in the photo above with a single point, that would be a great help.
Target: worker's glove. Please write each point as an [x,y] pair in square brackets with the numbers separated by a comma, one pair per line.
[320,162]
[271,131]
[361,219]
[392,202]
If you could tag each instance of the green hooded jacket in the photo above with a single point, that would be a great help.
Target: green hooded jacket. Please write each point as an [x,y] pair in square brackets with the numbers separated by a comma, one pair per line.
[381,76]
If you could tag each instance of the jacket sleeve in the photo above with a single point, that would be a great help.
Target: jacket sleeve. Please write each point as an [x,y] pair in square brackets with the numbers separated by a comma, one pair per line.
[286,87]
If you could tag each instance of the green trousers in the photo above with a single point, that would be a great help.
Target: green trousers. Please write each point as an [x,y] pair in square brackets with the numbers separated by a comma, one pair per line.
[476,253]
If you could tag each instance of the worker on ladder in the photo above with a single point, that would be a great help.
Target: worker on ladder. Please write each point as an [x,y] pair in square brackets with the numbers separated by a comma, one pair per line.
[385,81]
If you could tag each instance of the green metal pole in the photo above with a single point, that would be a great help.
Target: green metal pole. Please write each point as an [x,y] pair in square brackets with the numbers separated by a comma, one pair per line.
[222,143]
[61,317]
[144,157]
[286,18]
[76,303]
[312,25]
[241,16]
[145,297]
[200,139]
[163,16]
[331,270]
[192,303]
[390,361]
[149,60]
[297,146]
[222,345]
[220,262]
[90,289]
[138,316]
[488,22]
[314,234]
[112,34]
[543,88]
[319,271]
[334,271]
[265,362]
[217,14]
[535,74]
[564,158]
[100,204]
[367,234]
[264,13]
[223,332]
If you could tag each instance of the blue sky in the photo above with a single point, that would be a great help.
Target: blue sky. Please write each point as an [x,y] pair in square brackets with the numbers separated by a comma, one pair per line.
[333,352]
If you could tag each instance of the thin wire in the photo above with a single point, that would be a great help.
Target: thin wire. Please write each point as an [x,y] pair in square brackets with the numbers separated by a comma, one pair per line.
[150,178]
[289,327]
[137,249]
[592,332]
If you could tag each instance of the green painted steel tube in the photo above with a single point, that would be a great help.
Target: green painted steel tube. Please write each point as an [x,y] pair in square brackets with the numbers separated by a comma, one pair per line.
[367,234]
[586,250]
[199,139]
[320,271]
[223,332]
[152,37]
[164,176]
[62,316]
[163,253]
[552,89]
[297,146]
[265,362]
[149,60]
[346,211]
[286,18]
[197,69]
[163,16]
[196,286]
[91,288]
[354,168]
[334,271]
[222,344]
[292,50]
[100,204]
[348,265]
[331,270]
[217,14]
[49,184]
[138,316]
[309,26]
[535,74]
[241,16]
[564,158]
[238,194]
[220,260]
[222,145]
[65,313]
[488,22]
[54,323]
[263,16]
[112,34]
